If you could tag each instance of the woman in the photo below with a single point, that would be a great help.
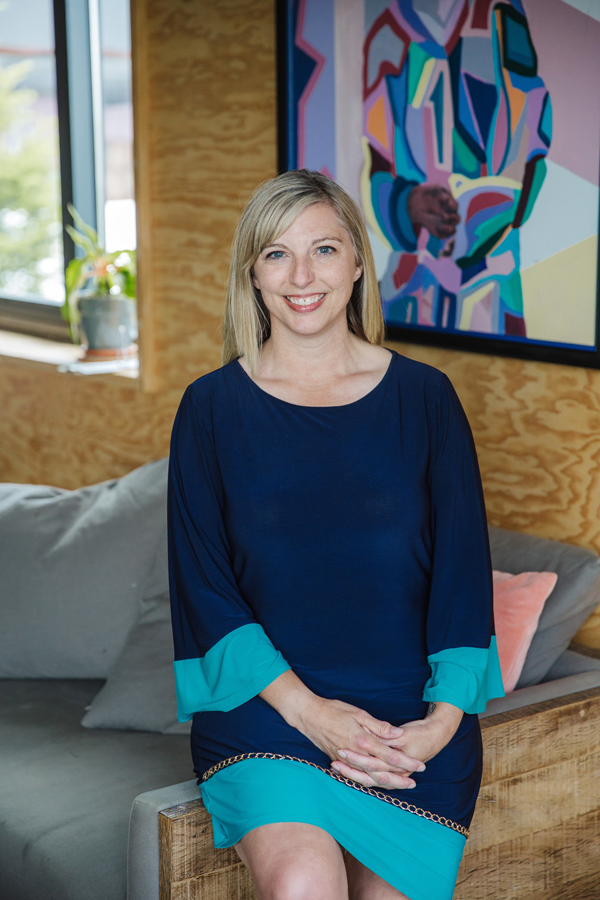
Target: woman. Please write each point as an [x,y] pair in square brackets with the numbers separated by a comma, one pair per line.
[330,574]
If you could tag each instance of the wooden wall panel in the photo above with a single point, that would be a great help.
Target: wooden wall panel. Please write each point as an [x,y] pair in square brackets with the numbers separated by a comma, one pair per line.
[213,140]
[69,431]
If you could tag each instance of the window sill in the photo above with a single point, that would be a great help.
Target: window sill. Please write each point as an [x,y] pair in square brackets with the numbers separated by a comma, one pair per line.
[53,354]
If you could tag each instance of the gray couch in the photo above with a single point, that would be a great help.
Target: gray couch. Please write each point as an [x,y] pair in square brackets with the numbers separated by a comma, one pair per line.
[84,641]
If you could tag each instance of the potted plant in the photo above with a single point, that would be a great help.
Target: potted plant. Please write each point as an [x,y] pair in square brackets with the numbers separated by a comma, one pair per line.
[100,296]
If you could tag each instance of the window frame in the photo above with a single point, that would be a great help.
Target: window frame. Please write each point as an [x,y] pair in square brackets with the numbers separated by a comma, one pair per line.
[81,152]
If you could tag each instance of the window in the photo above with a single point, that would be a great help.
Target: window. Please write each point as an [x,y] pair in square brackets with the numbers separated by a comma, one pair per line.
[31,250]
[66,136]
[119,221]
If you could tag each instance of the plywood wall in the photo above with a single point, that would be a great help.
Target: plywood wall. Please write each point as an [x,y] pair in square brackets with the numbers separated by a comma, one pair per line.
[205,123]
[207,126]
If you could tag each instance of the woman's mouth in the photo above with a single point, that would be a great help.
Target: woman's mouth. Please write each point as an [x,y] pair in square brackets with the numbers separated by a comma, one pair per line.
[304,303]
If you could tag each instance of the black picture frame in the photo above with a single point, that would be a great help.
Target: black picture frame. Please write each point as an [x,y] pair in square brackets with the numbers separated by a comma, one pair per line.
[512,347]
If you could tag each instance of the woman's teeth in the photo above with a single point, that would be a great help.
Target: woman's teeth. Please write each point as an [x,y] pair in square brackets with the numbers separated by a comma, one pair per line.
[305,301]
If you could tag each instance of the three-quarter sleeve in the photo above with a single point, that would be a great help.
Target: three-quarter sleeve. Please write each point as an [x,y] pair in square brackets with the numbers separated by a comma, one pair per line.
[223,656]
[461,644]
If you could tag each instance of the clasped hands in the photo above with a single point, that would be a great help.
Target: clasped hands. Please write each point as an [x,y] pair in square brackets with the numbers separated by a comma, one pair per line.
[375,753]
[362,748]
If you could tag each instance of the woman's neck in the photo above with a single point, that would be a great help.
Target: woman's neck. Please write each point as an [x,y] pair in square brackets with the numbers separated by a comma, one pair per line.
[321,372]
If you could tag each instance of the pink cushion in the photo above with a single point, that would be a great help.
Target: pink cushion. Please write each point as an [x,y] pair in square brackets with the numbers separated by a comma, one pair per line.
[518,603]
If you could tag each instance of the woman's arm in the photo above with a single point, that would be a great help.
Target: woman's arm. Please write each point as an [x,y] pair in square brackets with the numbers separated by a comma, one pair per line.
[223,656]
[333,725]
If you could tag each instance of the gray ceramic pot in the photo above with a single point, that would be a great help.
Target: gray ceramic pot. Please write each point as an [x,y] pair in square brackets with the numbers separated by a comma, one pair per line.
[108,323]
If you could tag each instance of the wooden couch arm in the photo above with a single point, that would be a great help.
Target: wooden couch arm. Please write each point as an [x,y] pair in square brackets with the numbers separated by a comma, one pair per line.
[536,829]
[535,834]
[190,866]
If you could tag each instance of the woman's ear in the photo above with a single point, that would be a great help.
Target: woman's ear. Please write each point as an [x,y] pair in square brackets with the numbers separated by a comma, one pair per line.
[253,277]
[358,272]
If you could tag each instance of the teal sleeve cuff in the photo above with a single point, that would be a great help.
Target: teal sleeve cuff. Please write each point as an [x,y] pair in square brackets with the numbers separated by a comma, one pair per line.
[467,677]
[236,669]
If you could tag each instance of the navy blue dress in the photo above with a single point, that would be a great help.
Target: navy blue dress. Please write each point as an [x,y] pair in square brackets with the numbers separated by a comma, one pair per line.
[350,544]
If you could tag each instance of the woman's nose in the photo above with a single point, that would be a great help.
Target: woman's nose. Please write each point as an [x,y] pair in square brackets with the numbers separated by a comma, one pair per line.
[302,273]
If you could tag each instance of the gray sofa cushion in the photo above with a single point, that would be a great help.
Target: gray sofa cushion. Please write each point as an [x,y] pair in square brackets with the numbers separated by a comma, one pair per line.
[75,566]
[66,792]
[576,595]
[571,663]
[140,691]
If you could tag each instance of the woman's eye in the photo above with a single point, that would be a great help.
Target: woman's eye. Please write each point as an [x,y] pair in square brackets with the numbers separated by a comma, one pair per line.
[275,254]
[325,251]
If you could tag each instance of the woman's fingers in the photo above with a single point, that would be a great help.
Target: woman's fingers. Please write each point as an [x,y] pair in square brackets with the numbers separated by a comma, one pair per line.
[396,762]
[369,764]
[369,745]
[379,728]
[387,780]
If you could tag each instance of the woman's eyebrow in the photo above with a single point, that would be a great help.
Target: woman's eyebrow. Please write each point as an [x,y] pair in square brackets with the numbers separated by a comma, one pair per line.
[316,241]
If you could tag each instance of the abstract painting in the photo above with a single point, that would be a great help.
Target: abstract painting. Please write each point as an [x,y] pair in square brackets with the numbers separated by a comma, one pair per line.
[469,132]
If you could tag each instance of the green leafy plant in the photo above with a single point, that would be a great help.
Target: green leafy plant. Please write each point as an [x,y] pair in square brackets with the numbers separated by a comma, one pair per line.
[112,273]
[30,232]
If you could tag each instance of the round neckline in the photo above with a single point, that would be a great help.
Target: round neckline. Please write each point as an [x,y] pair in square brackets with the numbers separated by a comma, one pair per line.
[338,406]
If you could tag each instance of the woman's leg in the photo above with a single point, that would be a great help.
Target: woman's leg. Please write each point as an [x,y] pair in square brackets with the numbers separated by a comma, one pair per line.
[366,885]
[293,861]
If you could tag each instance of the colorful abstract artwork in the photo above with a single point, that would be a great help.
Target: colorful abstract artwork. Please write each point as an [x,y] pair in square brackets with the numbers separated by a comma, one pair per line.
[469,131]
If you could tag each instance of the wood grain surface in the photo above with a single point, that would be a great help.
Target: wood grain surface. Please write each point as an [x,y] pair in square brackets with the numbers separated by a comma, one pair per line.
[211,98]
[556,863]
[204,94]
[69,431]
[190,866]
[553,731]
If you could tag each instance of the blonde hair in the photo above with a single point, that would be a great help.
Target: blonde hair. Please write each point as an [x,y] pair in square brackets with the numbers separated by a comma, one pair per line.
[273,208]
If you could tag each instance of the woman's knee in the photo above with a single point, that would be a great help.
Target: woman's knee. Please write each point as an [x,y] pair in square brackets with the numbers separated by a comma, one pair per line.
[294,861]
[307,879]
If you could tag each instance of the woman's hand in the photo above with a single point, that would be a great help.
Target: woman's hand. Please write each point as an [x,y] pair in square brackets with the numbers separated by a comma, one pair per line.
[422,739]
[332,724]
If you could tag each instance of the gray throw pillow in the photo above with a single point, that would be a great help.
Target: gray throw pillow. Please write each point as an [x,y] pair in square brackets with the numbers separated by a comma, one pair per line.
[571,663]
[139,694]
[576,595]
[74,567]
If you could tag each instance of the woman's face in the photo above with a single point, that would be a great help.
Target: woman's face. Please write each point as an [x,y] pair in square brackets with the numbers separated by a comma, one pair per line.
[307,275]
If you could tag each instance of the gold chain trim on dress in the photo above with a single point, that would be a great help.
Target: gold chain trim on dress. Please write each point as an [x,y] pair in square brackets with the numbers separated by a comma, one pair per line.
[402,804]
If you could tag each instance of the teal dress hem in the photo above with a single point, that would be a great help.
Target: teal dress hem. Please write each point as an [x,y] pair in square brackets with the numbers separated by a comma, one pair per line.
[415,855]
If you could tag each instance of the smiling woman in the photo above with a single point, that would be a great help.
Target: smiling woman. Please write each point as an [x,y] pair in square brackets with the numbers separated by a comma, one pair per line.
[330,574]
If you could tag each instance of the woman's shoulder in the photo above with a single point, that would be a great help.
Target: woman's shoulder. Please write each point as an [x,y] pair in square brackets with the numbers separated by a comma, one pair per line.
[210,391]
[213,382]
[418,376]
